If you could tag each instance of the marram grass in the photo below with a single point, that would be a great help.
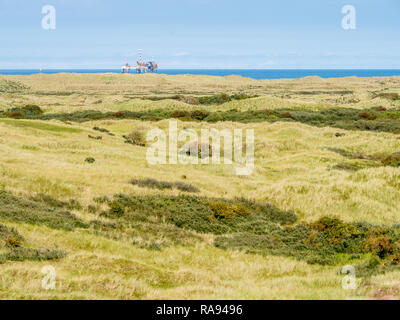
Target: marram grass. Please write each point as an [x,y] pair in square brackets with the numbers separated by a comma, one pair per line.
[345,170]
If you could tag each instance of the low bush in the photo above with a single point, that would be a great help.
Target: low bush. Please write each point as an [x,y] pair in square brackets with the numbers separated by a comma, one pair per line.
[388,95]
[199,114]
[71,204]
[39,211]
[90,160]
[14,248]
[367,115]
[95,137]
[116,209]
[392,160]
[353,166]
[334,92]
[180,114]
[326,241]
[136,137]
[205,100]
[216,99]
[32,109]
[382,246]
[162,185]
[343,118]
[101,129]
[351,154]
[194,213]
[223,210]
[286,115]
[263,229]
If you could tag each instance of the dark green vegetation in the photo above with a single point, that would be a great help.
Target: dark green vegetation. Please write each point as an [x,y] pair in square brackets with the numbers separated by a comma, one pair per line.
[362,161]
[90,160]
[341,92]
[95,137]
[205,100]
[326,241]
[158,221]
[40,210]
[13,247]
[345,118]
[263,229]
[392,160]
[103,131]
[162,185]
[195,213]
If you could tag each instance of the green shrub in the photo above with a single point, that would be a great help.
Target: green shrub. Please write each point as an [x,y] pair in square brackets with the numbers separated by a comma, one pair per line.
[392,160]
[38,212]
[213,99]
[286,115]
[13,242]
[343,118]
[367,115]
[193,213]
[186,187]
[199,114]
[95,138]
[216,99]
[90,160]
[162,185]
[381,246]
[101,129]
[32,109]
[28,111]
[116,209]
[136,137]
[180,114]
[14,114]
[71,204]
[14,248]
[350,154]
[33,254]
[223,210]
[354,166]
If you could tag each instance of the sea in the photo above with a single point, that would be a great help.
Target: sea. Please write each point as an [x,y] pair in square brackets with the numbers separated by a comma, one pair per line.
[258,74]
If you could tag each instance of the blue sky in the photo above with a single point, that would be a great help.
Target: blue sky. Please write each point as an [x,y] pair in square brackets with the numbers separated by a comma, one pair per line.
[200,34]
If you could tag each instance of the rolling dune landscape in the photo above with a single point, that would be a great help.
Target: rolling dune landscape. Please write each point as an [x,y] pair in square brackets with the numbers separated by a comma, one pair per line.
[77,193]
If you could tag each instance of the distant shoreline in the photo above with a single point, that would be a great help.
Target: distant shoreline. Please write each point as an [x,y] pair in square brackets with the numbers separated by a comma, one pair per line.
[258,74]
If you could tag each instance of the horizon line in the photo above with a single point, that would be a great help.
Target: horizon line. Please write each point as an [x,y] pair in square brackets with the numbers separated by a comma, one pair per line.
[264,69]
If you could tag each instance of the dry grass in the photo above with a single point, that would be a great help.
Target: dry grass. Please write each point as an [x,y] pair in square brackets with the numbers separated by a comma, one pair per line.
[293,167]
[293,172]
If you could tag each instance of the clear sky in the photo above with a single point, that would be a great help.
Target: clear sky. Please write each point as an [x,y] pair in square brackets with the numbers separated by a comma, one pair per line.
[200,34]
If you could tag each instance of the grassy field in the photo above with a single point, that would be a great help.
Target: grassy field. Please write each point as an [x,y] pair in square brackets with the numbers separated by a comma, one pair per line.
[325,191]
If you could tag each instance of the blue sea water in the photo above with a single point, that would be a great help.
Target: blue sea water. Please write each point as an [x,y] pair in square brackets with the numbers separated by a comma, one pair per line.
[250,73]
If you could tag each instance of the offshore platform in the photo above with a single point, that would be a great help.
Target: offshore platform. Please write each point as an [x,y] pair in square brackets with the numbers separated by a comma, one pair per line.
[141,66]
